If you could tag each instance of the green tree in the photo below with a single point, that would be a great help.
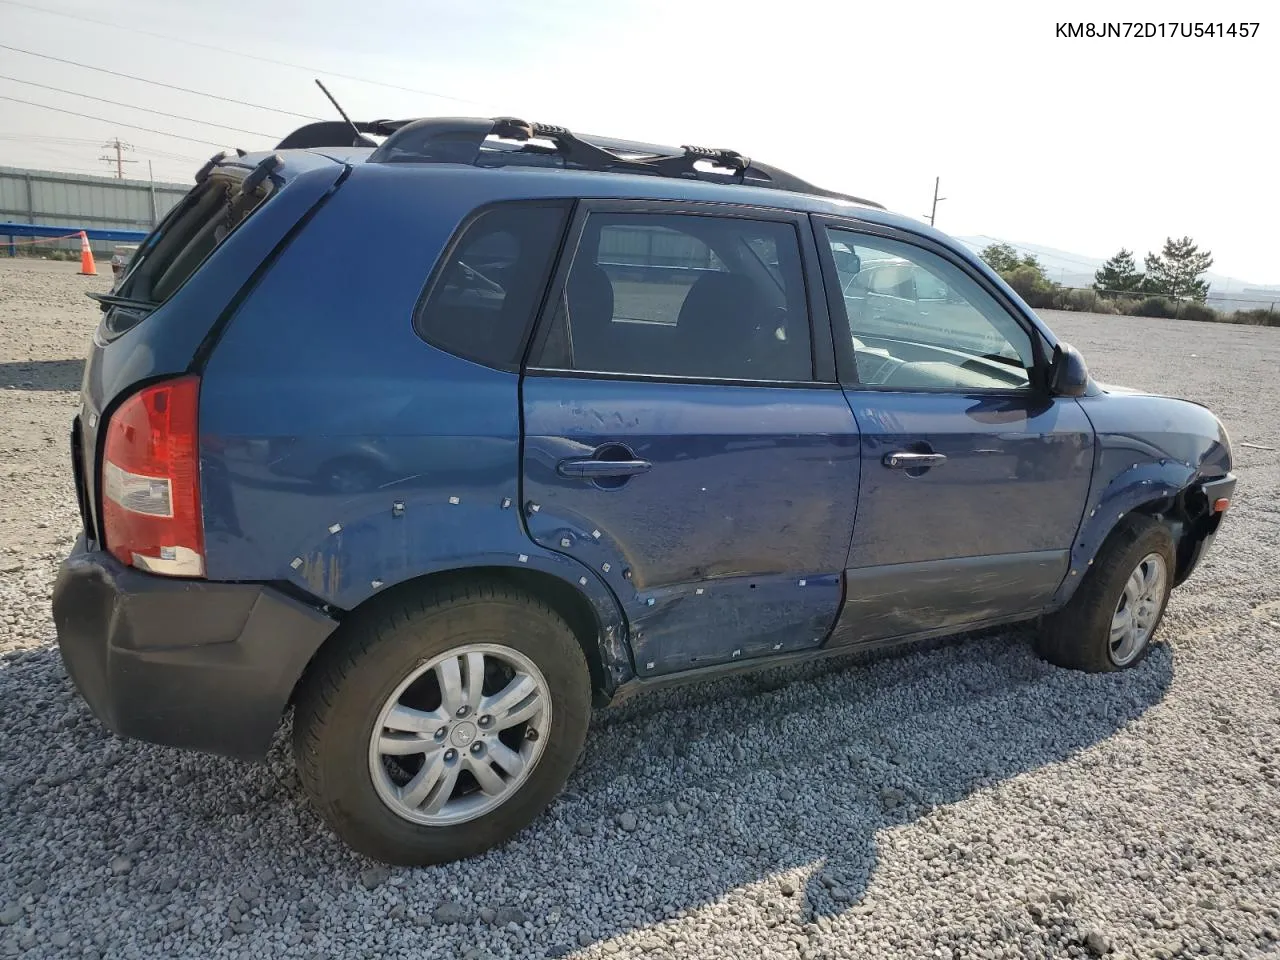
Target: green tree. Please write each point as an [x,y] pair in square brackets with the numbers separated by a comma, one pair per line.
[1119,274]
[1024,273]
[1000,257]
[1176,270]
[1003,258]
[1032,285]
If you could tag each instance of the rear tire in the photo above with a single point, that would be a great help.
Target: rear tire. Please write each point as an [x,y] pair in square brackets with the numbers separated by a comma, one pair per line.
[1109,623]
[371,786]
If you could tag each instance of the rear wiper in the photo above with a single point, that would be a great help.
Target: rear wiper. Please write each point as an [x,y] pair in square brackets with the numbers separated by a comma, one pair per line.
[111,300]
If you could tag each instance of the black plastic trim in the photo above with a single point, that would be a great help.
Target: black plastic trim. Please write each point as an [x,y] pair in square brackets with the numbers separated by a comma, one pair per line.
[187,663]
[884,602]
[861,653]
[664,378]
[337,133]
[462,139]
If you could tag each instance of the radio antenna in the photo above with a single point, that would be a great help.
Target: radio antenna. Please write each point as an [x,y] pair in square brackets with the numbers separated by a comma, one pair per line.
[360,139]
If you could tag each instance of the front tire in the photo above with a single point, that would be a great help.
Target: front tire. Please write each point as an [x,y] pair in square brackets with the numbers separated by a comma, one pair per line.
[1109,622]
[435,728]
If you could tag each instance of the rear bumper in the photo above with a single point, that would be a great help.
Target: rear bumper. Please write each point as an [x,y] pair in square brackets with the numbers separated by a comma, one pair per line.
[186,663]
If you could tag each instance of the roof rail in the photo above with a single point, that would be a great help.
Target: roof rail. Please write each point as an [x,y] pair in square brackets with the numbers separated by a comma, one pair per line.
[337,133]
[506,140]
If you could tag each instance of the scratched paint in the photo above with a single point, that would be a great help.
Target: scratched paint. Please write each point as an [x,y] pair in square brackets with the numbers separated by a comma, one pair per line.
[751,490]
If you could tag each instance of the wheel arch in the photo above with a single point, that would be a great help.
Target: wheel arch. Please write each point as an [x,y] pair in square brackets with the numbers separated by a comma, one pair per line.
[596,622]
[1182,507]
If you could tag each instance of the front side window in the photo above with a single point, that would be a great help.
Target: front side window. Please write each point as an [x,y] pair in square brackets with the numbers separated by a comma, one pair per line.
[918,322]
[683,295]
[485,294]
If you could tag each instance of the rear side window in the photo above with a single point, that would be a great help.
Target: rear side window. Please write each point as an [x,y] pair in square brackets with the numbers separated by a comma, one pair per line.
[186,237]
[483,298]
[683,295]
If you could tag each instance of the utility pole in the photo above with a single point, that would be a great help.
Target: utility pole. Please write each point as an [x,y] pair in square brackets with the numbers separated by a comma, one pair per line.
[152,177]
[936,200]
[118,159]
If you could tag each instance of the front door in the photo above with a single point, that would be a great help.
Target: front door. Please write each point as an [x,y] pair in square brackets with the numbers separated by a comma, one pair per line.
[677,439]
[974,478]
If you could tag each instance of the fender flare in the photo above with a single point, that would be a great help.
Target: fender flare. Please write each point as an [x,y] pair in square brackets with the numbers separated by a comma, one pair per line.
[1131,489]
[356,558]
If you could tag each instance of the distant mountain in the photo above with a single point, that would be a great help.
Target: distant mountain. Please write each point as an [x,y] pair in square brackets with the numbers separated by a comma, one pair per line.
[1075,270]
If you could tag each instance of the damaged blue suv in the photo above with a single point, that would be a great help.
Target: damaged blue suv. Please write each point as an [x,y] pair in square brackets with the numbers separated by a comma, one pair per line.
[443,431]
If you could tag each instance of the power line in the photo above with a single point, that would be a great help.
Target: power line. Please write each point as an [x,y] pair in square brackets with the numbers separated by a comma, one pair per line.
[164,155]
[1057,256]
[130,106]
[118,123]
[79,148]
[248,56]
[44,144]
[157,83]
[39,138]
[60,167]
[77,154]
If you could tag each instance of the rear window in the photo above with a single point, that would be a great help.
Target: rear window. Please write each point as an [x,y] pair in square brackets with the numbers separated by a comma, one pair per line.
[482,300]
[186,237]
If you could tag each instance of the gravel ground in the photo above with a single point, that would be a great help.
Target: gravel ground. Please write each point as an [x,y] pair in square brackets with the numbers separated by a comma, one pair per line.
[961,801]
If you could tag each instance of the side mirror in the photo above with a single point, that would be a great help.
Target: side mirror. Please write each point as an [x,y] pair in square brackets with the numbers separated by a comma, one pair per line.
[1068,374]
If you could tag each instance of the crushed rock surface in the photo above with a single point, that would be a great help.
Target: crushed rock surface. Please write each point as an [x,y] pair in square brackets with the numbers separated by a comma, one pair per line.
[960,800]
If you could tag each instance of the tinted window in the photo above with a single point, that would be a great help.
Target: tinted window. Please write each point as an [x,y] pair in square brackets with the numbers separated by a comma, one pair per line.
[186,237]
[485,294]
[683,296]
[916,321]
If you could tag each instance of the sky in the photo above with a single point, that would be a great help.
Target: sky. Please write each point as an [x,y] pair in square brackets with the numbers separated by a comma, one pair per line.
[1086,145]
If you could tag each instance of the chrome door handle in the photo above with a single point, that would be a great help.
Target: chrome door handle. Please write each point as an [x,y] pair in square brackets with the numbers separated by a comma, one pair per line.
[906,460]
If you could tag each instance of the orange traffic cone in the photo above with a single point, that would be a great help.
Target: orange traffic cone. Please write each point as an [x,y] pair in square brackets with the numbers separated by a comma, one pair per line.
[87,267]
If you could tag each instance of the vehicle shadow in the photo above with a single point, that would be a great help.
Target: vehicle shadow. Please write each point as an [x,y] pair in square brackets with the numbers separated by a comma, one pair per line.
[771,791]
[41,375]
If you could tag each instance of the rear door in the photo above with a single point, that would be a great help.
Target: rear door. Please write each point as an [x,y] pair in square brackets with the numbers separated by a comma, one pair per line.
[974,477]
[685,434]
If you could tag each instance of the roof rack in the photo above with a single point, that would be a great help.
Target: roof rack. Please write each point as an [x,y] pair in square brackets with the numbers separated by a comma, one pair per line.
[337,133]
[502,141]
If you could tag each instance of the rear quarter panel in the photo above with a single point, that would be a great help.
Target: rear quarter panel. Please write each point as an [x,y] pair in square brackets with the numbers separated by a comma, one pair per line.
[321,367]
[165,342]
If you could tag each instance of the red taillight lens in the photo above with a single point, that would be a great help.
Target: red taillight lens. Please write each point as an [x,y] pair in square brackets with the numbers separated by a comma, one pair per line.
[151,481]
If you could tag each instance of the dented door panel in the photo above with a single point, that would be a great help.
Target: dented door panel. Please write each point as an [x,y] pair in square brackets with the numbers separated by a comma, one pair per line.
[731,543]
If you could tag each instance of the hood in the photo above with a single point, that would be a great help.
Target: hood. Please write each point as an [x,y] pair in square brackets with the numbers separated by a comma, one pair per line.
[1116,388]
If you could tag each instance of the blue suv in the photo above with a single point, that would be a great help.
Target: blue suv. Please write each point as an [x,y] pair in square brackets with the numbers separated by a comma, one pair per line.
[444,439]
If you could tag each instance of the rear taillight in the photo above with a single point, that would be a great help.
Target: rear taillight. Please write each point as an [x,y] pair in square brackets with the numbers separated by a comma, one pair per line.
[151,481]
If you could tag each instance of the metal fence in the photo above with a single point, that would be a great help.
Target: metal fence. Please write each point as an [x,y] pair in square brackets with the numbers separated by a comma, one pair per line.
[74,200]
